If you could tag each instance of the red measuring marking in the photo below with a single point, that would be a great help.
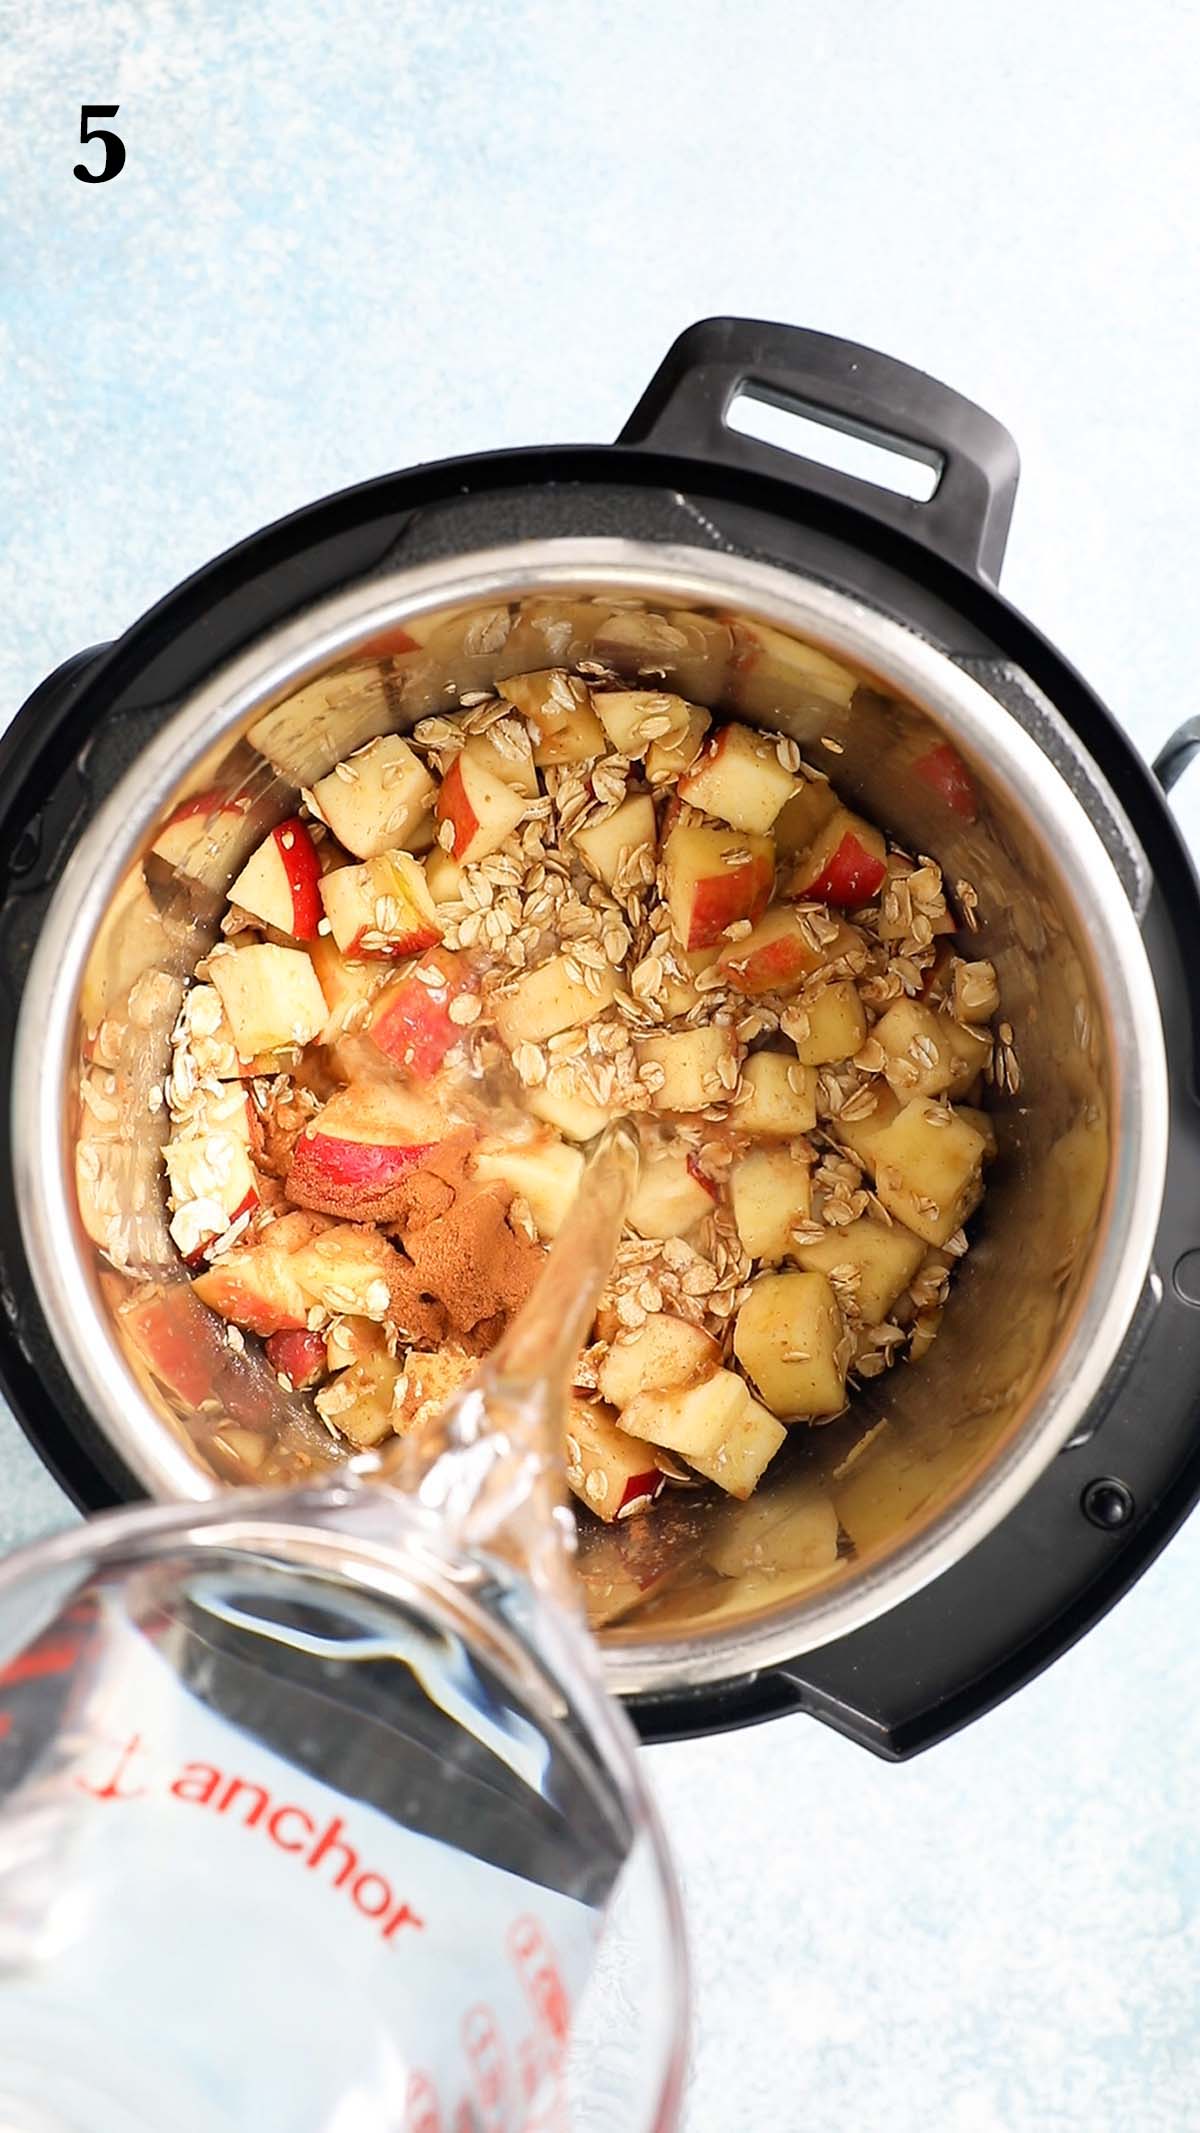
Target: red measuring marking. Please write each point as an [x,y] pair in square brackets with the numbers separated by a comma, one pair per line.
[43,1660]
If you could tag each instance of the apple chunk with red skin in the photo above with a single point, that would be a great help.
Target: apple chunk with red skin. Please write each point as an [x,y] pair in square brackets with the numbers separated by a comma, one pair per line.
[715,877]
[481,809]
[558,707]
[947,776]
[298,1356]
[280,882]
[200,836]
[411,1021]
[377,799]
[254,1285]
[845,865]
[381,908]
[784,949]
[361,1143]
[271,996]
[739,778]
[609,1471]
[167,1329]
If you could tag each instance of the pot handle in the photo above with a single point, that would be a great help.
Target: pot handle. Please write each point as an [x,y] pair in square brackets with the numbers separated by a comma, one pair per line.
[841,387]
[1177,752]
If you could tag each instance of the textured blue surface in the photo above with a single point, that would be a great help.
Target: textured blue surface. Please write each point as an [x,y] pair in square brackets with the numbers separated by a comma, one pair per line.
[350,238]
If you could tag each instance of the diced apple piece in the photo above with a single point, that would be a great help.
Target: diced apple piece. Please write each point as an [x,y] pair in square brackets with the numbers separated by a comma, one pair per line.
[884,1259]
[609,1471]
[382,908]
[985,1126]
[859,1135]
[444,876]
[167,1329]
[544,1172]
[667,760]
[846,864]
[715,877]
[350,1340]
[481,809]
[927,1169]
[375,799]
[745,1452]
[255,1288]
[634,719]
[553,996]
[693,1420]
[664,1353]
[361,1142]
[671,1196]
[770,1191]
[607,846]
[205,836]
[695,1067]
[347,1270]
[792,1528]
[349,987]
[359,1404]
[976,992]
[412,1020]
[299,1357]
[132,940]
[837,1026]
[279,882]
[271,996]
[558,708]
[509,758]
[776,1097]
[784,949]
[571,1113]
[771,668]
[212,1180]
[801,821]
[929,1054]
[788,1338]
[739,777]
[942,769]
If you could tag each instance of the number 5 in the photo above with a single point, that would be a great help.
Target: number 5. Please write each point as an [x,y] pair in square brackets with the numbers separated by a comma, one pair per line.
[114,146]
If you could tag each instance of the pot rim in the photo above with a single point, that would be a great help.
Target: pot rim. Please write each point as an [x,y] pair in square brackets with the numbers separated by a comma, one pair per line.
[297,651]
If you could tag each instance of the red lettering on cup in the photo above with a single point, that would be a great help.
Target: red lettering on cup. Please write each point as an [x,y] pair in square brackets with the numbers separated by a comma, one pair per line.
[275,1829]
[421,2113]
[372,1909]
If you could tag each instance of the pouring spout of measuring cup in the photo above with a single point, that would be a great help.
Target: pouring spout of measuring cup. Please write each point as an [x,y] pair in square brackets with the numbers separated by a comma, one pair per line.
[490,1463]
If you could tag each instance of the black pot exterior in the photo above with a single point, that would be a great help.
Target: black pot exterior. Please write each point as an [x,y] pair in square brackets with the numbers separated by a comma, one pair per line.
[1099,1515]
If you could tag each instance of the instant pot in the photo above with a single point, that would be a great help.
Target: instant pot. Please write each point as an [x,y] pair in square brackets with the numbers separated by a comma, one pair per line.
[993,1500]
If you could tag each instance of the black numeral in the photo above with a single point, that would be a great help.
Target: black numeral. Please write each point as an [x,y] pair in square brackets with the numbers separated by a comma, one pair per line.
[114,146]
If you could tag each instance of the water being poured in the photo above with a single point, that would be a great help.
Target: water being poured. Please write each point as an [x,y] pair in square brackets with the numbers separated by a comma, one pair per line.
[312,1812]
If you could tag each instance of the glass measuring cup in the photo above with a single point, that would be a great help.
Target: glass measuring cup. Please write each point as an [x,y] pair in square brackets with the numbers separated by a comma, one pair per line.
[313,1813]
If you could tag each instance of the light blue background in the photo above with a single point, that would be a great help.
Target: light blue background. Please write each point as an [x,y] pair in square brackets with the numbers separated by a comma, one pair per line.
[350,237]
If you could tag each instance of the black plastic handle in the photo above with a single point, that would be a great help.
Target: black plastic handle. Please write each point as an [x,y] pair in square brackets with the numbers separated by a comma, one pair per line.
[1175,755]
[847,388]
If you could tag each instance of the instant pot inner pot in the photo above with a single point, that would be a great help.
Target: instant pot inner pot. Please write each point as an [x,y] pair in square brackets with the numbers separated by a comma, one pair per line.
[916,1445]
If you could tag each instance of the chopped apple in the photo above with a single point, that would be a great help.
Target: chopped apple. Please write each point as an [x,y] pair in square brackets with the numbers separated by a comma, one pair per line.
[693,1420]
[634,719]
[254,1286]
[361,1142]
[689,1068]
[279,882]
[739,778]
[166,1328]
[715,877]
[349,988]
[544,1172]
[788,1338]
[745,1452]
[607,846]
[381,908]
[859,1135]
[985,1126]
[360,1402]
[804,816]
[770,669]
[211,1177]
[976,991]
[609,1471]
[558,709]
[784,949]
[928,1166]
[205,836]
[571,1113]
[671,1196]
[133,939]
[776,1097]
[507,757]
[481,809]
[444,876]
[837,1026]
[664,1353]
[350,1340]
[347,1270]
[792,1528]
[554,996]
[299,1357]
[929,1054]
[376,798]
[883,1258]
[271,996]
[942,769]
[770,1191]
[667,760]
[845,865]
[412,1020]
